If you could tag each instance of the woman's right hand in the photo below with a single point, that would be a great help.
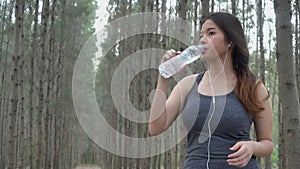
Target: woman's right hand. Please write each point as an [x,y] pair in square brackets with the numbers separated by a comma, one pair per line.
[169,54]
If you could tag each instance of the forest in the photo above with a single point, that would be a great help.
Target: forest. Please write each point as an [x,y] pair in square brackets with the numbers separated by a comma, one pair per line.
[76,96]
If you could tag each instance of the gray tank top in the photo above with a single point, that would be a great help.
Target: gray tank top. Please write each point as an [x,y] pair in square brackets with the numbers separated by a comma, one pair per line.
[232,126]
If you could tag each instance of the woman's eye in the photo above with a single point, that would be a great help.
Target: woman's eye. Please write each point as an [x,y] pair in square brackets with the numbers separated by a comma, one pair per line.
[211,33]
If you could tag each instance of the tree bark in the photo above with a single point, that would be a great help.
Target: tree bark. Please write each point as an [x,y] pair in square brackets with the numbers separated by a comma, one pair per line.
[233,7]
[58,91]
[243,14]
[50,78]
[31,84]
[297,48]
[287,84]
[212,9]
[3,84]
[22,146]
[196,21]
[5,107]
[205,10]
[3,22]
[41,97]
[163,23]
[14,98]
[260,21]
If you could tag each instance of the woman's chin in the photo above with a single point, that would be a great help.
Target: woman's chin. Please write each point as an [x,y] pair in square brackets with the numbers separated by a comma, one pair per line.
[205,58]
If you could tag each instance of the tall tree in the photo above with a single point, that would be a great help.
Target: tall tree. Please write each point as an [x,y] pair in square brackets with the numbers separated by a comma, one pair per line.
[260,58]
[3,100]
[15,81]
[287,84]
[212,9]
[50,74]
[58,87]
[243,13]
[297,44]
[41,97]
[163,22]
[260,21]
[233,7]
[205,9]
[32,80]
[22,145]
[196,21]
[6,91]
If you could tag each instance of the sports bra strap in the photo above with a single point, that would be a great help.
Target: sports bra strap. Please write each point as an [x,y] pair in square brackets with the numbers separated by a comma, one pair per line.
[199,77]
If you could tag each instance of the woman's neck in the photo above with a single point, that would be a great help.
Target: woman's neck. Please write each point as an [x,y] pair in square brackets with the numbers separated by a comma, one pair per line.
[222,77]
[223,67]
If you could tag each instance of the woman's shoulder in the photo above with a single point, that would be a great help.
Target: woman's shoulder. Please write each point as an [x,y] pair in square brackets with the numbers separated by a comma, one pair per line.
[187,82]
[189,79]
[261,90]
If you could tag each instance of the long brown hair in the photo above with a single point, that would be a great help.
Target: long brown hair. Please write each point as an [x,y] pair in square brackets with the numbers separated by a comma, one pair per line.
[246,87]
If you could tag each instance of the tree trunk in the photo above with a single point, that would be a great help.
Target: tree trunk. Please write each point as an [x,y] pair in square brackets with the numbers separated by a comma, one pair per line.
[272,74]
[31,84]
[297,48]
[58,92]
[281,148]
[3,85]
[163,23]
[182,13]
[5,108]
[41,97]
[205,9]
[268,162]
[2,24]
[50,78]
[196,21]
[15,81]
[212,6]
[260,21]
[63,136]
[233,7]
[243,14]
[287,84]
[22,147]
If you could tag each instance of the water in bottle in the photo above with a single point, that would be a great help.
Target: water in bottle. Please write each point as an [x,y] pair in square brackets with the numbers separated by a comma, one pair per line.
[172,66]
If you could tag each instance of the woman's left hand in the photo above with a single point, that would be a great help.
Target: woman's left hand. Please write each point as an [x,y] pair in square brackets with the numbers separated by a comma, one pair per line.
[244,151]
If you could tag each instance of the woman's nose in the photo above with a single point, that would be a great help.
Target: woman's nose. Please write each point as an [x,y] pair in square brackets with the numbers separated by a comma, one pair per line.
[202,40]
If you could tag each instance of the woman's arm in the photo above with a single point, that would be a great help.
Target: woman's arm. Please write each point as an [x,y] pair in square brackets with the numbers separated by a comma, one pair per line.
[158,117]
[164,111]
[263,125]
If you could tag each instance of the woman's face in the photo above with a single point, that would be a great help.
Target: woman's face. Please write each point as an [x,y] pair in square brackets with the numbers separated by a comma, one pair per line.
[213,38]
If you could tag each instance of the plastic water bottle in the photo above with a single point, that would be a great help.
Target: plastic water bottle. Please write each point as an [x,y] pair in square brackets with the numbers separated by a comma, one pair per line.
[172,66]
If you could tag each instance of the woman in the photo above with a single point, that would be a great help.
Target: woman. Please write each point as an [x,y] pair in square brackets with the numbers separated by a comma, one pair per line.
[247,101]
